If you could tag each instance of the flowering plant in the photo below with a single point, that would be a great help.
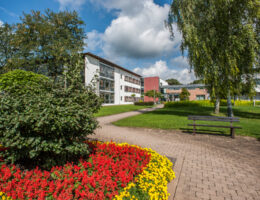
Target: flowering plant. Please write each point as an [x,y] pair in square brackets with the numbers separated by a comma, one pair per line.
[113,171]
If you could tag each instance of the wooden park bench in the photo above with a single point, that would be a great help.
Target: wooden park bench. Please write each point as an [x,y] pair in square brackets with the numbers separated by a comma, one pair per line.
[214,118]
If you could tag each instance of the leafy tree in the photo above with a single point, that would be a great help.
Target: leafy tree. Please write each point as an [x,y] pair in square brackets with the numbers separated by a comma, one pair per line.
[154,94]
[47,42]
[199,81]
[222,41]
[173,81]
[7,51]
[184,95]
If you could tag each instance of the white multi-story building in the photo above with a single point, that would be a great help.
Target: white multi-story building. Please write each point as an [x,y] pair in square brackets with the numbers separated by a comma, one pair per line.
[115,84]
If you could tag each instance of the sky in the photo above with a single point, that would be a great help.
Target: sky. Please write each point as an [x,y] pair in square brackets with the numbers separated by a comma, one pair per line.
[130,33]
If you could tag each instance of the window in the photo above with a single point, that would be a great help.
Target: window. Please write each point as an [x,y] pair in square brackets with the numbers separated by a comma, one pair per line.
[200,97]
[121,87]
[121,76]
[257,81]
[131,99]
[101,83]
[121,98]
[107,97]
[130,89]
[106,71]
[132,80]
[107,85]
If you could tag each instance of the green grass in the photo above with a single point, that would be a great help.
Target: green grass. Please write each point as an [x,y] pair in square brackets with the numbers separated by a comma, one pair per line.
[111,110]
[176,118]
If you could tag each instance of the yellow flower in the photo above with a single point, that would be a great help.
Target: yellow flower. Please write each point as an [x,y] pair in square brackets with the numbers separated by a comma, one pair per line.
[153,179]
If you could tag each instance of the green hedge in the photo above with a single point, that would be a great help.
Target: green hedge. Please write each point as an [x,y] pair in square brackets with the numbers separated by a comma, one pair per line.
[208,103]
[149,103]
[173,104]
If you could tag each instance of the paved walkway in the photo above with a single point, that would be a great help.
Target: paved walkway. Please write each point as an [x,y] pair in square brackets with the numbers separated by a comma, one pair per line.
[207,168]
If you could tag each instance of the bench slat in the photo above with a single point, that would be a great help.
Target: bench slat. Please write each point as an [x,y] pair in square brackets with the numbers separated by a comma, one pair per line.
[220,126]
[217,120]
[213,118]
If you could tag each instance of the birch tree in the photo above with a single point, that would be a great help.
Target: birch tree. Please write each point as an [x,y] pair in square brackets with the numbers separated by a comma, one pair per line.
[221,39]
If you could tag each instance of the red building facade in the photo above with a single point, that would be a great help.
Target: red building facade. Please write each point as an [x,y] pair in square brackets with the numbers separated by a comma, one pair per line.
[151,83]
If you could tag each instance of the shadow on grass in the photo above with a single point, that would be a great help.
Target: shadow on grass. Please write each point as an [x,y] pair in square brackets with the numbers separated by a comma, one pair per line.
[208,111]
[183,111]
[205,132]
[244,114]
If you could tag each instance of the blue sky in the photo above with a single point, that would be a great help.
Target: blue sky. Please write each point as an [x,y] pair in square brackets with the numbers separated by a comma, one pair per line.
[130,33]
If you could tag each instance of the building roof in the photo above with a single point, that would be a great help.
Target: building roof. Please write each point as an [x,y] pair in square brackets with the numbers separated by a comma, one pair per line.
[110,63]
[177,87]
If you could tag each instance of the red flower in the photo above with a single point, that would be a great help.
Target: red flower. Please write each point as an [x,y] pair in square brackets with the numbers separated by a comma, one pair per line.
[109,169]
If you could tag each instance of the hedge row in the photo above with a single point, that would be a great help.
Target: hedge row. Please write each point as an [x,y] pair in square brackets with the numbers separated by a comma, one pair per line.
[209,103]
[149,103]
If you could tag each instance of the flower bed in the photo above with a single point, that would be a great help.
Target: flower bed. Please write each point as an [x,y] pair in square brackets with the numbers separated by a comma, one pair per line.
[113,171]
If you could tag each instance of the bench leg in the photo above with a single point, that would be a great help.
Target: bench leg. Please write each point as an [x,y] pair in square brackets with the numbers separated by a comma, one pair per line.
[232,132]
[194,128]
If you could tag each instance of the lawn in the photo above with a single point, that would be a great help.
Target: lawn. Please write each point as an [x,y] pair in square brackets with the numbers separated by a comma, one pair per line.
[111,110]
[176,118]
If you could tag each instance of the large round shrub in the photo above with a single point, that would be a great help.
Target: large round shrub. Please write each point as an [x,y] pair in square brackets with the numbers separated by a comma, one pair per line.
[46,128]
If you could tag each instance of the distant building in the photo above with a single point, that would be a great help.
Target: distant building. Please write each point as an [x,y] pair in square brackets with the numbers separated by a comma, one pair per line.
[172,92]
[197,92]
[115,84]
[151,83]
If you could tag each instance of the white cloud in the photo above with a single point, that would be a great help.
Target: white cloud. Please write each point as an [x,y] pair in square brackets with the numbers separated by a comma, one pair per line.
[139,30]
[72,4]
[1,23]
[161,69]
[180,62]
[8,12]
[125,6]
[94,40]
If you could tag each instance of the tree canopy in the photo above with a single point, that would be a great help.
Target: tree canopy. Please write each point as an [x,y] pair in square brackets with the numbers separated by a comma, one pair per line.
[184,95]
[222,41]
[46,42]
[199,81]
[153,93]
[173,81]
[7,49]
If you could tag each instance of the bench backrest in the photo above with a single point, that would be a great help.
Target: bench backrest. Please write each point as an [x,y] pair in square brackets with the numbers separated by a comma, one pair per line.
[213,118]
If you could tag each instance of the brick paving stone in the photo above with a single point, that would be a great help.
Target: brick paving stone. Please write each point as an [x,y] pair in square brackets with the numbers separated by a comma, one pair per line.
[207,166]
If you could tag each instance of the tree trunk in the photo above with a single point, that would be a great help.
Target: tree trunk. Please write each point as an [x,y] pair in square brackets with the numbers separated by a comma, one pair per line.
[229,105]
[154,96]
[217,103]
